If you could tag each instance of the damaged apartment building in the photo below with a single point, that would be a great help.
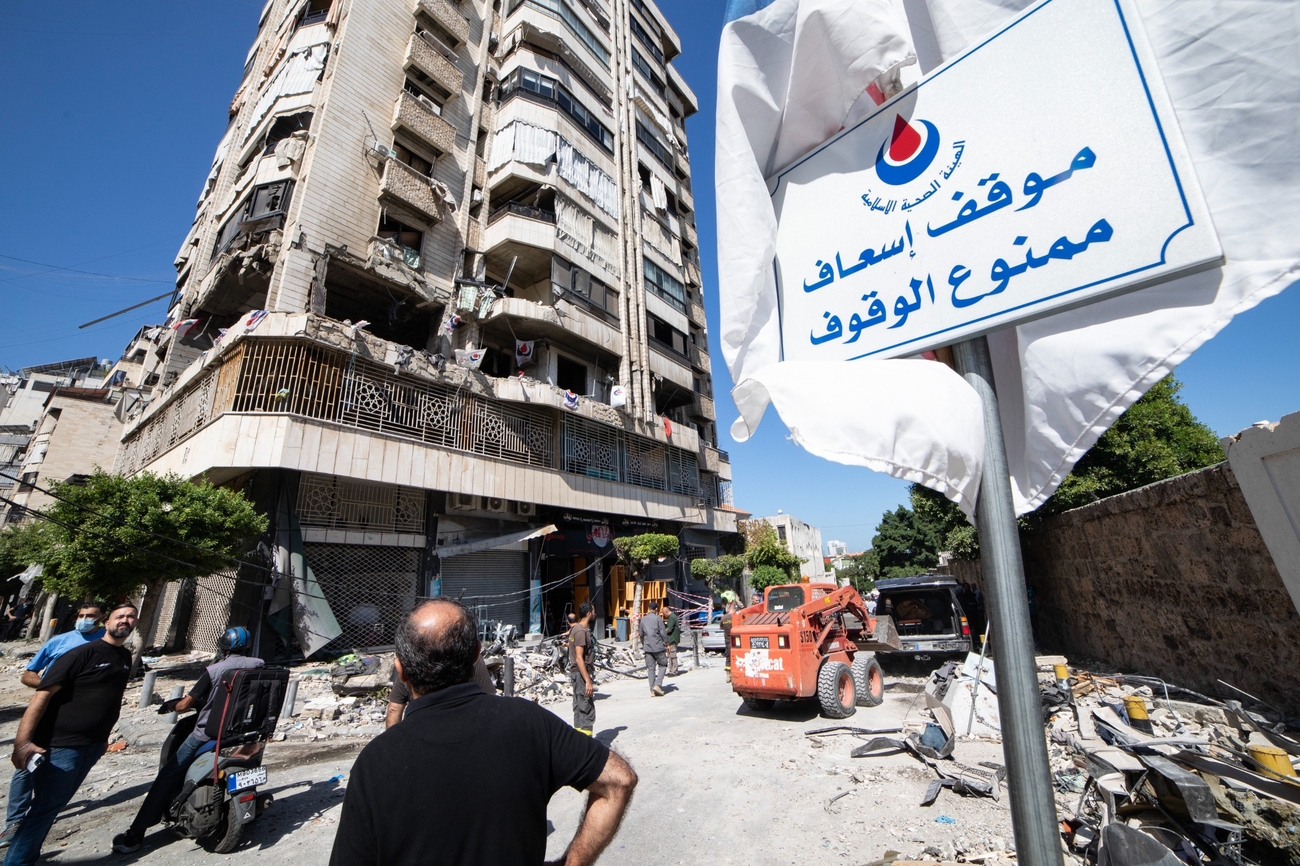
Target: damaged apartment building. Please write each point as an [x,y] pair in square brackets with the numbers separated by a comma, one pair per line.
[440,313]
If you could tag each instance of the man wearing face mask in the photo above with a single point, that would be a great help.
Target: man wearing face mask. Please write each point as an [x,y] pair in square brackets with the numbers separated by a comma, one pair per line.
[87,629]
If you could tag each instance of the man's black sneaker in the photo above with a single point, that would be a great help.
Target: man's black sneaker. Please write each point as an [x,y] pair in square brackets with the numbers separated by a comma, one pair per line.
[126,843]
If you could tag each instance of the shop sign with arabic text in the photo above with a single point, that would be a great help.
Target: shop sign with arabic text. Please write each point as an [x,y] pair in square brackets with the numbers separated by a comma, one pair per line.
[1040,170]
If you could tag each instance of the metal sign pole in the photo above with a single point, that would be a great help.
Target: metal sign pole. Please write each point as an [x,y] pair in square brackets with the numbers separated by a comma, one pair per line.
[1029,775]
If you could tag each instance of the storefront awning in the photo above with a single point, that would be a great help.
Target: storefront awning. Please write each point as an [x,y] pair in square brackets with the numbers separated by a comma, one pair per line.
[493,543]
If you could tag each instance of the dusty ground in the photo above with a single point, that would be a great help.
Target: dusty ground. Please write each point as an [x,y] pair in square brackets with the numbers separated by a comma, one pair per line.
[718,784]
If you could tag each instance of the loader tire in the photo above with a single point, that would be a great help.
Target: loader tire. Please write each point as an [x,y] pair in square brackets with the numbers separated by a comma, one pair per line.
[836,691]
[759,705]
[869,679]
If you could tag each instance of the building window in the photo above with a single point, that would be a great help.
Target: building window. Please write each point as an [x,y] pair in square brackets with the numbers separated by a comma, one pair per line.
[560,9]
[780,532]
[283,127]
[666,335]
[405,236]
[656,83]
[314,12]
[665,285]
[570,375]
[528,81]
[264,209]
[647,40]
[408,157]
[652,143]
[575,283]
[423,97]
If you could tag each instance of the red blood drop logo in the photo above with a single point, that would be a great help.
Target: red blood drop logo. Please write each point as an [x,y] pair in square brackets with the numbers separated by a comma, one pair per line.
[905,142]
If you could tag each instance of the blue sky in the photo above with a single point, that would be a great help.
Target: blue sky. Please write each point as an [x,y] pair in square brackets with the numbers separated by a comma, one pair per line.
[111,115]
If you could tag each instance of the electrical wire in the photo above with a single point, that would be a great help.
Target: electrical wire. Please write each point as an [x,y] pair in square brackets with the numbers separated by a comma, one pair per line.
[247,563]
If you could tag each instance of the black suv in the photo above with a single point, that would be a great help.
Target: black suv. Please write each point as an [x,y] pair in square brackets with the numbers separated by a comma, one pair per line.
[928,613]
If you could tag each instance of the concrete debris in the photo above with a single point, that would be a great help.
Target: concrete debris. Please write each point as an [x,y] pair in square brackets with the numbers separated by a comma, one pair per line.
[1142,778]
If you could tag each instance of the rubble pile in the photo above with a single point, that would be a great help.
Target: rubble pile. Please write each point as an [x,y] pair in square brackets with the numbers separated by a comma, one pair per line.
[1140,777]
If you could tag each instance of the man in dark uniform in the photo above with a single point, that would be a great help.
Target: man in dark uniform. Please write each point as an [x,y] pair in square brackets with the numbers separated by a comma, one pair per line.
[235,645]
[582,658]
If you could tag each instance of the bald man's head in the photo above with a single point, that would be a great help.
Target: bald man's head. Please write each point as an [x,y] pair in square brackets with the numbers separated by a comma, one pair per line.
[437,645]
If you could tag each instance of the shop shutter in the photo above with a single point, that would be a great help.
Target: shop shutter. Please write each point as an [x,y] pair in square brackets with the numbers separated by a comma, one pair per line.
[495,583]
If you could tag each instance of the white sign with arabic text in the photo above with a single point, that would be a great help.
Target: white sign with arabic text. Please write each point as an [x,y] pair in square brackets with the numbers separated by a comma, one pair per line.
[1040,170]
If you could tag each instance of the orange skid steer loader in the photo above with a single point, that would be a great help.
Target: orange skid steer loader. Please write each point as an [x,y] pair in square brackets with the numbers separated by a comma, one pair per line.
[810,640]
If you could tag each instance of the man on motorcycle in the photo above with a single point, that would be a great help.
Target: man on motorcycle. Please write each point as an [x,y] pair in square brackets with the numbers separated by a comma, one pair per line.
[235,644]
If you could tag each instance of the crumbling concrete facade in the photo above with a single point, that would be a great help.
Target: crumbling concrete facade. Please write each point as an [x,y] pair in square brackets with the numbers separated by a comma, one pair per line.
[1172,580]
[442,286]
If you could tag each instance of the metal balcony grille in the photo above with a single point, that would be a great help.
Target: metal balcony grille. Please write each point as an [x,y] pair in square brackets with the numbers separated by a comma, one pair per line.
[211,612]
[299,377]
[369,589]
[342,503]
[591,449]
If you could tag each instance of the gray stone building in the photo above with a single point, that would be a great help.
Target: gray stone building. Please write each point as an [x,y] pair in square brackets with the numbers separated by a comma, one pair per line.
[440,312]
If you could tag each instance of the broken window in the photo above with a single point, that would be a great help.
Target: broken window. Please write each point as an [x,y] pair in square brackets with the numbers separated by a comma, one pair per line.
[263,209]
[400,233]
[570,375]
[285,126]
[406,156]
[314,12]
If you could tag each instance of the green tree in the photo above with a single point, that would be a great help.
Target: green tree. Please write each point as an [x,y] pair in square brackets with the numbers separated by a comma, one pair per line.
[764,547]
[718,573]
[112,535]
[861,571]
[637,552]
[21,545]
[763,576]
[908,540]
[1157,438]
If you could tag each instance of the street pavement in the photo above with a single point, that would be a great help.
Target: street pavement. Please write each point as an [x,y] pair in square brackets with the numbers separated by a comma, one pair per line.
[719,784]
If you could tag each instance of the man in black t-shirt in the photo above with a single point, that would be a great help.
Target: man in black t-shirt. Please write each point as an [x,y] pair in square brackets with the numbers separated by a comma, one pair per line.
[485,767]
[67,725]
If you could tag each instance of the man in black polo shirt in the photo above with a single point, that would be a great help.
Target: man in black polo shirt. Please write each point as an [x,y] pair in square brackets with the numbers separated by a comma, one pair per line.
[484,767]
[67,725]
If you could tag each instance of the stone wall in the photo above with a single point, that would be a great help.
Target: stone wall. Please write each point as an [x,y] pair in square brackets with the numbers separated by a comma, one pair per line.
[1171,580]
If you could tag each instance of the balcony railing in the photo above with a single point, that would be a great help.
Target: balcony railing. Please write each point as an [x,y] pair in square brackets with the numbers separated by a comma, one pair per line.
[423,123]
[523,210]
[301,377]
[430,61]
[700,358]
[695,311]
[408,186]
[447,17]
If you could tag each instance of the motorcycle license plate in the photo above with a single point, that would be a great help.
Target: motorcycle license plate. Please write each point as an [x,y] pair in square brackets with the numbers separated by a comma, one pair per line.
[246,779]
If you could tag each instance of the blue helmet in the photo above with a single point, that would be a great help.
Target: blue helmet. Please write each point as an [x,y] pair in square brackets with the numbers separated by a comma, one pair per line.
[235,641]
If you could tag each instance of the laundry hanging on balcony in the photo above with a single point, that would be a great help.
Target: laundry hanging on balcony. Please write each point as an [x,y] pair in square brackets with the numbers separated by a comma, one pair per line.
[658,194]
[587,178]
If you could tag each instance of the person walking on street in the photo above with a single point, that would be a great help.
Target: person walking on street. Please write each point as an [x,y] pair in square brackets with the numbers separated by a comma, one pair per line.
[87,628]
[654,642]
[582,659]
[235,645]
[65,729]
[484,768]
[733,605]
[674,628]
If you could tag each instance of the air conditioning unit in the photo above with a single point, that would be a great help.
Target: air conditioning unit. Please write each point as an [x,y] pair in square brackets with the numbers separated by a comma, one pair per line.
[429,104]
[525,509]
[383,151]
[494,504]
[464,502]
